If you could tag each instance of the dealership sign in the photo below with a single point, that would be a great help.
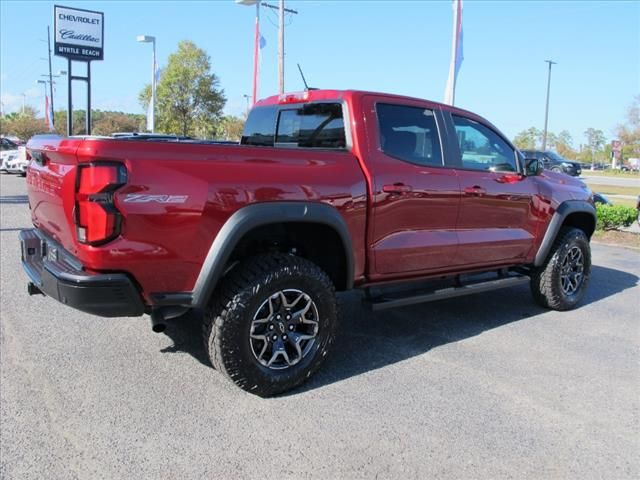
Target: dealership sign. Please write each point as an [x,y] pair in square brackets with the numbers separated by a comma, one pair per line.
[79,33]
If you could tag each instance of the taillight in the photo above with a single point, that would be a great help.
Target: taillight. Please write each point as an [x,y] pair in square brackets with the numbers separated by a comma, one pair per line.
[97,218]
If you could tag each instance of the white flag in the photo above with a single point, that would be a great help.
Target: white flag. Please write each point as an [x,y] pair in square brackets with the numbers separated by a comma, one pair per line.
[456,53]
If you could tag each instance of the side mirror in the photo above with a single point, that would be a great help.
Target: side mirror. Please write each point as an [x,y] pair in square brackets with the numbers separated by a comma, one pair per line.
[533,167]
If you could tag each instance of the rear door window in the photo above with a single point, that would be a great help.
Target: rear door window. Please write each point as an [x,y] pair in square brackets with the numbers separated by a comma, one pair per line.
[409,134]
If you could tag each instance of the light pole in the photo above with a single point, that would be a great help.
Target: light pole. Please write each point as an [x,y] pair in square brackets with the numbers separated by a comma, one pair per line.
[44,84]
[51,82]
[47,108]
[546,112]
[247,97]
[151,120]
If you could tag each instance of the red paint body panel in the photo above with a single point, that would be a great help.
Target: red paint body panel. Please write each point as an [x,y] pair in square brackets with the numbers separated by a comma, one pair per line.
[413,230]
[432,228]
[496,225]
[163,246]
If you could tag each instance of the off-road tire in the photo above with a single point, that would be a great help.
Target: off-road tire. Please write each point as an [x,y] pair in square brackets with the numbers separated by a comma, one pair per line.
[546,284]
[230,313]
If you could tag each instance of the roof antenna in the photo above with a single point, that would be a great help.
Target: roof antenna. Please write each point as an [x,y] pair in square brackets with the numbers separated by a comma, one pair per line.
[306,87]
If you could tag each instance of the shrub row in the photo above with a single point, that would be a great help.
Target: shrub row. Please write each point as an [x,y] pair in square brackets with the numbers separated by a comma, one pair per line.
[612,217]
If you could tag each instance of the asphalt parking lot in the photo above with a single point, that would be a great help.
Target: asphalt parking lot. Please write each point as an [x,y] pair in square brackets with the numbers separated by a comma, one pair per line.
[489,386]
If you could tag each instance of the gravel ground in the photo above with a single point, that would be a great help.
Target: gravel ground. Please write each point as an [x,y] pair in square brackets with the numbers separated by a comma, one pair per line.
[488,386]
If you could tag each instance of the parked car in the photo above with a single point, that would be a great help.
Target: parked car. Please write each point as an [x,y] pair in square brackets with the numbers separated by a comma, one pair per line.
[600,199]
[597,166]
[555,162]
[18,163]
[328,190]
[18,141]
[8,151]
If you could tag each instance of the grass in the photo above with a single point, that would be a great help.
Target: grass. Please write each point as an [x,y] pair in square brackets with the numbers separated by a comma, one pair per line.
[616,237]
[627,202]
[615,190]
[609,173]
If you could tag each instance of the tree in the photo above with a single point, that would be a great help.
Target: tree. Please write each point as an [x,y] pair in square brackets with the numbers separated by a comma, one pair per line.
[230,128]
[595,142]
[629,132]
[23,125]
[79,127]
[564,144]
[189,98]
[527,139]
[552,140]
[103,122]
[106,123]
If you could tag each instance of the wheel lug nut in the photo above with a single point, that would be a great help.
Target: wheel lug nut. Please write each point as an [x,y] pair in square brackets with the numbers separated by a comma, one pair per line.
[291,327]
[278,317]
[271,327]
[274,338]
[284,337]
[288,317]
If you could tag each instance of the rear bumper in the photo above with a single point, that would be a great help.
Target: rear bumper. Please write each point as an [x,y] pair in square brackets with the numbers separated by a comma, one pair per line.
[61,276]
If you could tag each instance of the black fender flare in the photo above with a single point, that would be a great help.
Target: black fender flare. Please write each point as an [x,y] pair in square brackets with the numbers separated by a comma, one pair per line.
[557,220]
[260,214]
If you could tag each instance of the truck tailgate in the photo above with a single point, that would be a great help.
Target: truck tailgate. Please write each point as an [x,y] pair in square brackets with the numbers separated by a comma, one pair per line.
[51,181]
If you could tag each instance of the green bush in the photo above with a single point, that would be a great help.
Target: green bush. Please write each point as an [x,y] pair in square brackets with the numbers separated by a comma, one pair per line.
[612,217]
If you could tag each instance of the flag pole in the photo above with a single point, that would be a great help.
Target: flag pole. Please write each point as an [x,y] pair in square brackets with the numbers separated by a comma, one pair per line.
[256,53]
[456,53]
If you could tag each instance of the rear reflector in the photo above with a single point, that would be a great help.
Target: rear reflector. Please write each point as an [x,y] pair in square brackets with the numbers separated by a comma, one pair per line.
[97,219]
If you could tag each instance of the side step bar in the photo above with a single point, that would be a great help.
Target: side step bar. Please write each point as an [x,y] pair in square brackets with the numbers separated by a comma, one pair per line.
[386,302]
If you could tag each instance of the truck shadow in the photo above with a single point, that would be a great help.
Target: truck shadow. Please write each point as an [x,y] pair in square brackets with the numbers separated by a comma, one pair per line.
[368,341]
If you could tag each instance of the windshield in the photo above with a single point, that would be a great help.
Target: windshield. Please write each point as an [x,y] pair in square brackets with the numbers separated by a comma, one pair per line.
[556,157]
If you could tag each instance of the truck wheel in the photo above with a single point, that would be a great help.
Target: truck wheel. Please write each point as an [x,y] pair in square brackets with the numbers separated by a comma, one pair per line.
[271,323]
[561,281]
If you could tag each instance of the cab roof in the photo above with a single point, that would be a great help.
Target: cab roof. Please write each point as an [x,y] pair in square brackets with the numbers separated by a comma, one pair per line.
[315,95]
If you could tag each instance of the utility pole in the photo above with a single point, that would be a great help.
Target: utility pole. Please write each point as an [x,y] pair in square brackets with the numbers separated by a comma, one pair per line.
[50,78]
[546,112]
[281,12]
[24,100]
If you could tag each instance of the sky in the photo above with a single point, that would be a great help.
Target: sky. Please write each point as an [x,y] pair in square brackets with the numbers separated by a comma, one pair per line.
[401,47]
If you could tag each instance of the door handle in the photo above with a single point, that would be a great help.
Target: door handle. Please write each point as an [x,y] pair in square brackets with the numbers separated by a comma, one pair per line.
[397,188]
[475,190]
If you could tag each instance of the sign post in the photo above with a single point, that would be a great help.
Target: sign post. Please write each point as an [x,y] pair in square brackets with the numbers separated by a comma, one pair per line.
[79,37]
[616,150]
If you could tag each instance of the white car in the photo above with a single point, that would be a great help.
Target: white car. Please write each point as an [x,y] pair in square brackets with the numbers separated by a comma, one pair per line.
[8,151]
[18,163]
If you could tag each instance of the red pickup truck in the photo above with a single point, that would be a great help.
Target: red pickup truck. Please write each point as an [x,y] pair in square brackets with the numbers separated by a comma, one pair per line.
[407,199]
